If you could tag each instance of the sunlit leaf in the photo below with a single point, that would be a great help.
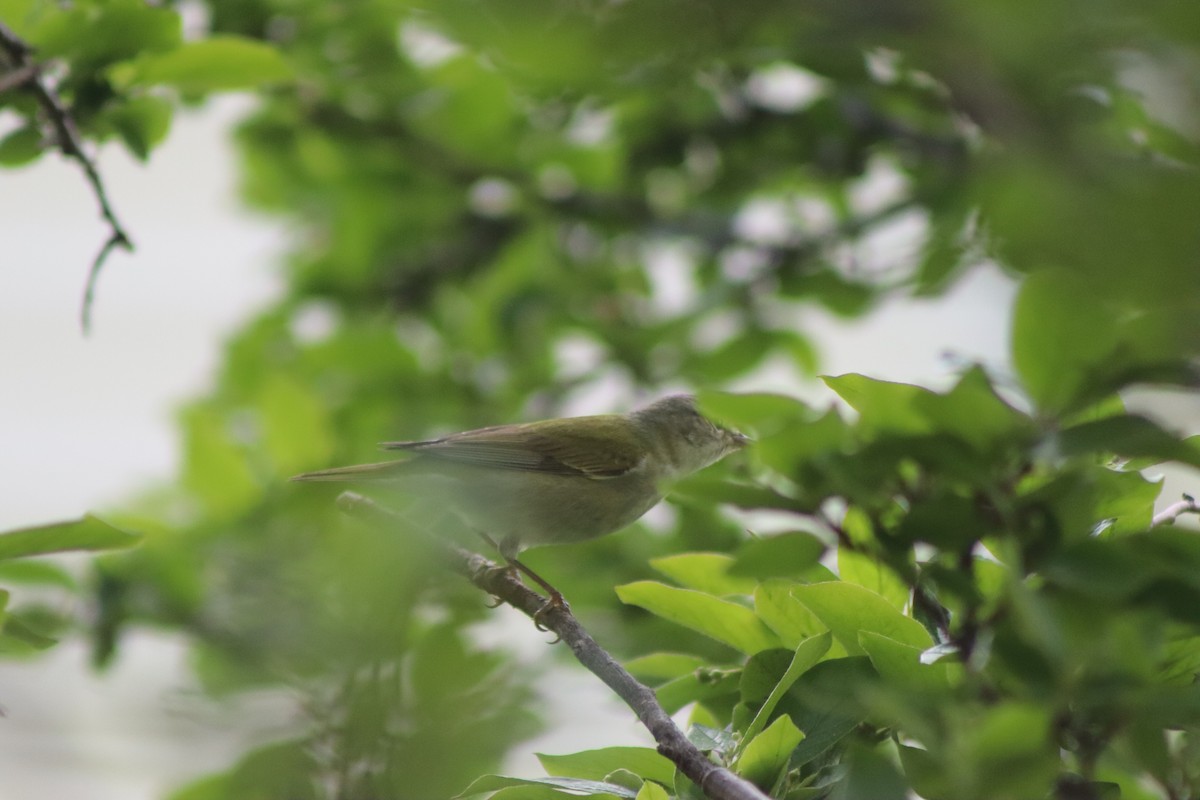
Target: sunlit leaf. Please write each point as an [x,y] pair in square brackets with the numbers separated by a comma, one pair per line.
[847,609]
[766,754]
[727,622]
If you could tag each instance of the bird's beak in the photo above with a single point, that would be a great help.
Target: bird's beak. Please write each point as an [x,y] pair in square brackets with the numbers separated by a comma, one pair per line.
[740,439]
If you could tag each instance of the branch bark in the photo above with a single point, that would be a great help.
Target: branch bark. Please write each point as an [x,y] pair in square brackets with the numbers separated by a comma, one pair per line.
[716,782]
[26,73]
[1168,515]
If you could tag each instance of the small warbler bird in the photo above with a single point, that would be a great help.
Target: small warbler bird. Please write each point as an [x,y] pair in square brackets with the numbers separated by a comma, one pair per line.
[558,480]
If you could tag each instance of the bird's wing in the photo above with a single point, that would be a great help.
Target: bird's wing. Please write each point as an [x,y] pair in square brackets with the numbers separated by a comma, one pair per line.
[382,471]
[547,447]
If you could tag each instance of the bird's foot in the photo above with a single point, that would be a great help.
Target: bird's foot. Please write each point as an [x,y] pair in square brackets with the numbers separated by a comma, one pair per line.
[507,569]
[555,602]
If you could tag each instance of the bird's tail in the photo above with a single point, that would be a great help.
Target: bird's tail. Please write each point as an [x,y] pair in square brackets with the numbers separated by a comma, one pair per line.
[381,471]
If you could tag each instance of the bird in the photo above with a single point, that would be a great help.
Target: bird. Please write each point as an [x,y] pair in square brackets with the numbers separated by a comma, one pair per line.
[554,481]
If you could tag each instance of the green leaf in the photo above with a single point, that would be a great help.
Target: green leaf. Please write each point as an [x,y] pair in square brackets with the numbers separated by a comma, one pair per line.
[865,571]
[869,774]
[21,146]
[883,406]
[295,425]
[37,572]
[88,533]
[847,609]
[711,740]
[704,572]
[1011,746]
[220,63]
[644,762]
[806,655]
[652,791]
[786,555]
[1128,436]
[279,769]
[767,754]
[14,629]
[142,123]
[92,36]
[1061,334]
[973,412]
[784,614]
[660,666]
[700,685]
[824,704]
[727,622]
[216,469]
[900,664]
[573,786]
[209,787]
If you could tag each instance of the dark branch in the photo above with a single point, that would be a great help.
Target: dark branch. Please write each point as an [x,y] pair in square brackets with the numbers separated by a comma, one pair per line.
[25,73]
[716,782]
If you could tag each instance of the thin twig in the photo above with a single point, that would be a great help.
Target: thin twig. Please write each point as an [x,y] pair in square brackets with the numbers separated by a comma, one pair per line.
[69,143]
[18,77]
[716,782]
[1168,515]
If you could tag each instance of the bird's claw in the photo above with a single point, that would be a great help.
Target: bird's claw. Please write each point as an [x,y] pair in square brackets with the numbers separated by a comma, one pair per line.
[556,601]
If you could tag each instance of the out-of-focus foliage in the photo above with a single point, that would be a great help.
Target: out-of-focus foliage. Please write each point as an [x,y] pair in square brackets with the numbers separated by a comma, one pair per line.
[500,207]
[30,627]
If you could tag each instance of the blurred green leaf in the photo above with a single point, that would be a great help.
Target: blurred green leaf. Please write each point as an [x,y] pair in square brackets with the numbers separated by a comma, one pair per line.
[296,431]
[870,774]
[777,556]
[15,629]
[97,34]
[142,123]
[598,764]
[21,146]
[87,533]
[37,573]
[219,63]
[883,406]
[1128,436]
[215,468]
[1062,334]
[900,664]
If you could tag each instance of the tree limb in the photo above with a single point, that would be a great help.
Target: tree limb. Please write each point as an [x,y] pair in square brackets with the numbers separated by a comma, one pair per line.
[27,74]
[716,782]
[1168,515]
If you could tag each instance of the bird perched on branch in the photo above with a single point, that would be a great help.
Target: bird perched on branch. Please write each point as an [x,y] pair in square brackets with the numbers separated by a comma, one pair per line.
[555,481]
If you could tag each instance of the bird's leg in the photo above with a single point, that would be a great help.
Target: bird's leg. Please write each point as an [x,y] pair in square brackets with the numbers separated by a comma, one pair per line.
[556,599]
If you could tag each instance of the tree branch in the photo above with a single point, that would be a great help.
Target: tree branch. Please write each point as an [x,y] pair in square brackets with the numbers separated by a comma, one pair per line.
[1168,515]
[26,73]
[716,782]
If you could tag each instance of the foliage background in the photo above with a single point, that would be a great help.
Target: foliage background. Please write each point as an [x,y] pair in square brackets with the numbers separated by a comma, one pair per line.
[482,234]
